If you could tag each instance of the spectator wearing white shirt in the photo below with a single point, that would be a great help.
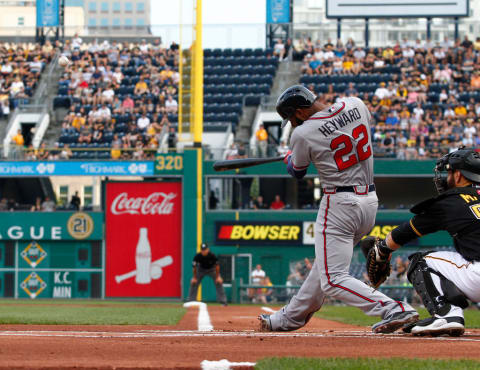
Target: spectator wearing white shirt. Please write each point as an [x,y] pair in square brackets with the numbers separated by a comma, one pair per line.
[408,53]
[283,148]
[76,42]
[144,47]
[108,95]
[6,68]
[171,105]
[17,87]
[328,54]
[36,65]
[143,122]
[359,53]
[118,75]
[469,133]
[104,112]
[418,112]
[257,277]
[279,50]
[382,92]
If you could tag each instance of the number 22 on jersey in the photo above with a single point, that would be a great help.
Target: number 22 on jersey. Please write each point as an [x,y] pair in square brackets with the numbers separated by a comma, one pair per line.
[343,147]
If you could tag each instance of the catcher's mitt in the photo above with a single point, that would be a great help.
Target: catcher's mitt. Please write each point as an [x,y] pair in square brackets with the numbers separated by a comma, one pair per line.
[378,257]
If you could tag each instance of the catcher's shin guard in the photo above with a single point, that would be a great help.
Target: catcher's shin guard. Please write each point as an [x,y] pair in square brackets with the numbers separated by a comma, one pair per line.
[420,275]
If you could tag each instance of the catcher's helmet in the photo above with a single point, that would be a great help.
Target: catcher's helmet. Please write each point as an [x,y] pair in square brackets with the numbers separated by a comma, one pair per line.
[293,98]
[467,161]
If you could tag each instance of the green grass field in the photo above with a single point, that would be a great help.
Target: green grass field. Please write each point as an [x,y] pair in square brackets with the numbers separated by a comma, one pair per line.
[354,316]
[363,364]
[86,312]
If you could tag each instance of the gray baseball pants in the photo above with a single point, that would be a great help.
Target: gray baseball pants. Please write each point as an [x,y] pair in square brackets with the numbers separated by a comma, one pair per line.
[201,273]
[342,220]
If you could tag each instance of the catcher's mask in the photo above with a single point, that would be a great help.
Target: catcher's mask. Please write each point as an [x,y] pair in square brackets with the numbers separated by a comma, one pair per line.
[296,96]
[467,161]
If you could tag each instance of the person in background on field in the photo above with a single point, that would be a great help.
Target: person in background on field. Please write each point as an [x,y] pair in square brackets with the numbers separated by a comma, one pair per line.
[262,141]
[206,263]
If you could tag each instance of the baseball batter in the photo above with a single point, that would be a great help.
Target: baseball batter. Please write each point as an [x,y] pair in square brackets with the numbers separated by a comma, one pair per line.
[336,139]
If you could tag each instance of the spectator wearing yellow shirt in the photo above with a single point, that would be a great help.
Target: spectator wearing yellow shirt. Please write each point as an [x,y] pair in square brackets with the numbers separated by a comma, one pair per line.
[116,152]
[348,64]
[78,121]
[262,141]
[141,87]
[18,138]
[460,110]
[388,53]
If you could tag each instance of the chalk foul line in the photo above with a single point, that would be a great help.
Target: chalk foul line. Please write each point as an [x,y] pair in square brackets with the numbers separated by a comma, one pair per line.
[204,323]
[223,364]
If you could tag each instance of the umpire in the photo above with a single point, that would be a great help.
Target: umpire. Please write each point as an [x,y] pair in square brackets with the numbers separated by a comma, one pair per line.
[206,263]
[445,279]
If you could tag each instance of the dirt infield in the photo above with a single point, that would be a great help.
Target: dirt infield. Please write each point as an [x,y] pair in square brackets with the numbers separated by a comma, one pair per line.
[234,338]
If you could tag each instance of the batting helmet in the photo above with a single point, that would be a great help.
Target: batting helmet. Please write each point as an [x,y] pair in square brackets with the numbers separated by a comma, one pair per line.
[467,161]
[293,98]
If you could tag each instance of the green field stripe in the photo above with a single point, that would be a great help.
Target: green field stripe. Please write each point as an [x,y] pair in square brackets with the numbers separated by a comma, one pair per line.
[289,363]
[89,313]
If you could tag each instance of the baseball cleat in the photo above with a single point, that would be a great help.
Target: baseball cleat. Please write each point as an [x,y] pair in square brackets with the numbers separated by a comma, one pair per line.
[265,323]
[453,326]
[395,321]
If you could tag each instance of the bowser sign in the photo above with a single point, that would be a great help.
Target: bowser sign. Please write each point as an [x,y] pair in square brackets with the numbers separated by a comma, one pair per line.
[143,239]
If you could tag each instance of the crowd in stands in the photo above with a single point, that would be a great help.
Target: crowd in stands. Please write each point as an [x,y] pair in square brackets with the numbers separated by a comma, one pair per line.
[122,99]
[45,204]
[20,68]
[424,96]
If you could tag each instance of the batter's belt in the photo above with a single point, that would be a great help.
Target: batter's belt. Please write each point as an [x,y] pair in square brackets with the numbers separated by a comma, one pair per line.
[357,189]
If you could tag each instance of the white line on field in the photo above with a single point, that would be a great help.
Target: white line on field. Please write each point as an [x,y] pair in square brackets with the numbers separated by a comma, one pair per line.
[204,323]
[268,309]
[247,334]
[223,364]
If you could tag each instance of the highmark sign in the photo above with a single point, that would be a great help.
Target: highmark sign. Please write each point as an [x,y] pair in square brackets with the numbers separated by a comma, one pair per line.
[76,168]
[51,226]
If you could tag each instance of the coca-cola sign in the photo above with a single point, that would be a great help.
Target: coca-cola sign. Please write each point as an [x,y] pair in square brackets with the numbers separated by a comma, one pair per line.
[154,204]
[143,239]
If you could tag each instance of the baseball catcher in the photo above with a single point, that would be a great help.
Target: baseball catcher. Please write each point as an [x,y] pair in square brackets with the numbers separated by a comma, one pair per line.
[443,280]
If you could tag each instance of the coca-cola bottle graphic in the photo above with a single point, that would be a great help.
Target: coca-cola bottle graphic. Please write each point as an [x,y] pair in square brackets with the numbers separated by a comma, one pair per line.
[143,258]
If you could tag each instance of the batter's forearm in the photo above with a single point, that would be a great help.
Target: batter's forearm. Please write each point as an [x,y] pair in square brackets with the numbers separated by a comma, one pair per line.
[295,172]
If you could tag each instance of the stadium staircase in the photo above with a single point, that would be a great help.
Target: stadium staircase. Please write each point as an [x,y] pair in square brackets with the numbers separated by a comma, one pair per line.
[288,74]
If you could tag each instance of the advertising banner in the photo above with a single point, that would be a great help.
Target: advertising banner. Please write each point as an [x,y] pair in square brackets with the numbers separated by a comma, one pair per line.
[278,11]
[47,13]
[256,233]
[51,226]
[76,168]
[143,239]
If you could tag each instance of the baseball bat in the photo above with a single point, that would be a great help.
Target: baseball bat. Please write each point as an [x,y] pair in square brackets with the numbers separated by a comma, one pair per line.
[244,162]
[161,262]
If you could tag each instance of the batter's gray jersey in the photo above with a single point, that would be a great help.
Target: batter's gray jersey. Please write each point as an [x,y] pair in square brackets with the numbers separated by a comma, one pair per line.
[337,141]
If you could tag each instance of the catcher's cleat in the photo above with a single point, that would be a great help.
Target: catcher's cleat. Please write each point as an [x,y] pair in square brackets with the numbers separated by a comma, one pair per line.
[265,323]
[395,321]
[453,326]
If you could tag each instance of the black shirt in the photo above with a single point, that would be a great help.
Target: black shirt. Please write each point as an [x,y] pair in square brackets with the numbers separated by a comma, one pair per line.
[457,211]
[205,262]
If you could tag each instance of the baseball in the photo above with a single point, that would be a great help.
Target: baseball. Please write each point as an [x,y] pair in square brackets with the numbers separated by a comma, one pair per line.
[155,271]
[63,61]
